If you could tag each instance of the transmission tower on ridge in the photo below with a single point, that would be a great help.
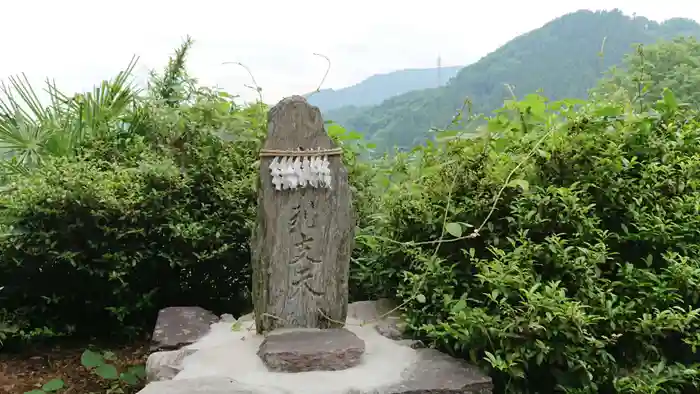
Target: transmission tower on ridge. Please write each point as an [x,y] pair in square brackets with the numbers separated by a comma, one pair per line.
[439,71]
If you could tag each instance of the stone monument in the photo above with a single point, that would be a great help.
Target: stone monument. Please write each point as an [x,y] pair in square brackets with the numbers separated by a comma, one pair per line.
[303,337]
[305,230]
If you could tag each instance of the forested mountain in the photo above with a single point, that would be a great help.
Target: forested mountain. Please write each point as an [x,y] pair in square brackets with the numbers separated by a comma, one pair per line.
[377,88]
[563,58]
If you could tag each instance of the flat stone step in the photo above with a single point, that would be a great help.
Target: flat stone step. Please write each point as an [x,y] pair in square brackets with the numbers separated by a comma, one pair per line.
[304,350]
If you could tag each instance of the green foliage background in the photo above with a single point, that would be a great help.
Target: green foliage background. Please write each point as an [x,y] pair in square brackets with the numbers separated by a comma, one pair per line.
[150,207]
[564,59]
[557,248]
[584,277]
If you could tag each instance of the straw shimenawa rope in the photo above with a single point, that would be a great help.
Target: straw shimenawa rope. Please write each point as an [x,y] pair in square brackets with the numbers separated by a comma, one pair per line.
[300,153]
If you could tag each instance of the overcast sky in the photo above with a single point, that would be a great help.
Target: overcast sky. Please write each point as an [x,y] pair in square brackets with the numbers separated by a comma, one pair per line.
[80,42]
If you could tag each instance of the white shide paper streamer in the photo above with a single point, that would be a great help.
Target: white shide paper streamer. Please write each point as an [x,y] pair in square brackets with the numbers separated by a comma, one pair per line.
[289,173]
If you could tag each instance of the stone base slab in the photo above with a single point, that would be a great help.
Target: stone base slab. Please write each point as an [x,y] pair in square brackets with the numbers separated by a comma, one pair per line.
[311,350]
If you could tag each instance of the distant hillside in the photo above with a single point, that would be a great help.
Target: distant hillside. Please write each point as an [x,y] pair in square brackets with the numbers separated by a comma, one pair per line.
[377,88]
[563,58]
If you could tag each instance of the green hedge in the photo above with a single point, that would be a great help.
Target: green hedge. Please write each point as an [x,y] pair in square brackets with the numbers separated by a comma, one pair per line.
[586,276]
[96,244]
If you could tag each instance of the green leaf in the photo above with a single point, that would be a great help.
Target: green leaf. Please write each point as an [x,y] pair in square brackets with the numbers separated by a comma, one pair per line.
[420,298]
[608,111]
[446,135]
[454,229]
[573,102]
[138,370]
[670,99]
[129,378]
[335,130]
[459,306]
[352,135]
[524,185]
[624,228]
[90,359]
[107,371]
[236,326]
[53,385]
[539,358]
[37,391]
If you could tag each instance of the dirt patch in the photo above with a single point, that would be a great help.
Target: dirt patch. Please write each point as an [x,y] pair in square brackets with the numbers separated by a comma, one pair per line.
[27,371]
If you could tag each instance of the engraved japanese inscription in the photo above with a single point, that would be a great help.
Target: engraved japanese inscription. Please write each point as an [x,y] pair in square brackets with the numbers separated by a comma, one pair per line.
[304,265]
[305,225]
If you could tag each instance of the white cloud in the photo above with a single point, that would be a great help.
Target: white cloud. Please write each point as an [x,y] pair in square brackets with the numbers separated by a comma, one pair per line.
[79,42]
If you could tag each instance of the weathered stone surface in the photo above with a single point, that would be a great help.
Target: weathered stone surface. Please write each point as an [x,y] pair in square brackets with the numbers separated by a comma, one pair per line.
[180,326]
[207,385]
[381,314]
[166,364]
[303,238]
[391,327]
[436,372]
[372,311]
[226,362]
[311,350]
[412,343]
[433,372]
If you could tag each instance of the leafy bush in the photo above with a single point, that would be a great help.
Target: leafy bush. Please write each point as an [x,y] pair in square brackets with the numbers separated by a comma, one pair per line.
[151,211]
[584,276]
[98,241]
[559,248]
[644,75]
[14,326]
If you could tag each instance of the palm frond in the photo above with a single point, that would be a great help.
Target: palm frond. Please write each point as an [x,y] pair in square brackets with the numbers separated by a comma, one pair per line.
[30,130]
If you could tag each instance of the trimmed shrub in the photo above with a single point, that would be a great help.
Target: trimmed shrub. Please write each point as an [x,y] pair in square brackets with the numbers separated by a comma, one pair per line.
[96,244]
[584,277]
